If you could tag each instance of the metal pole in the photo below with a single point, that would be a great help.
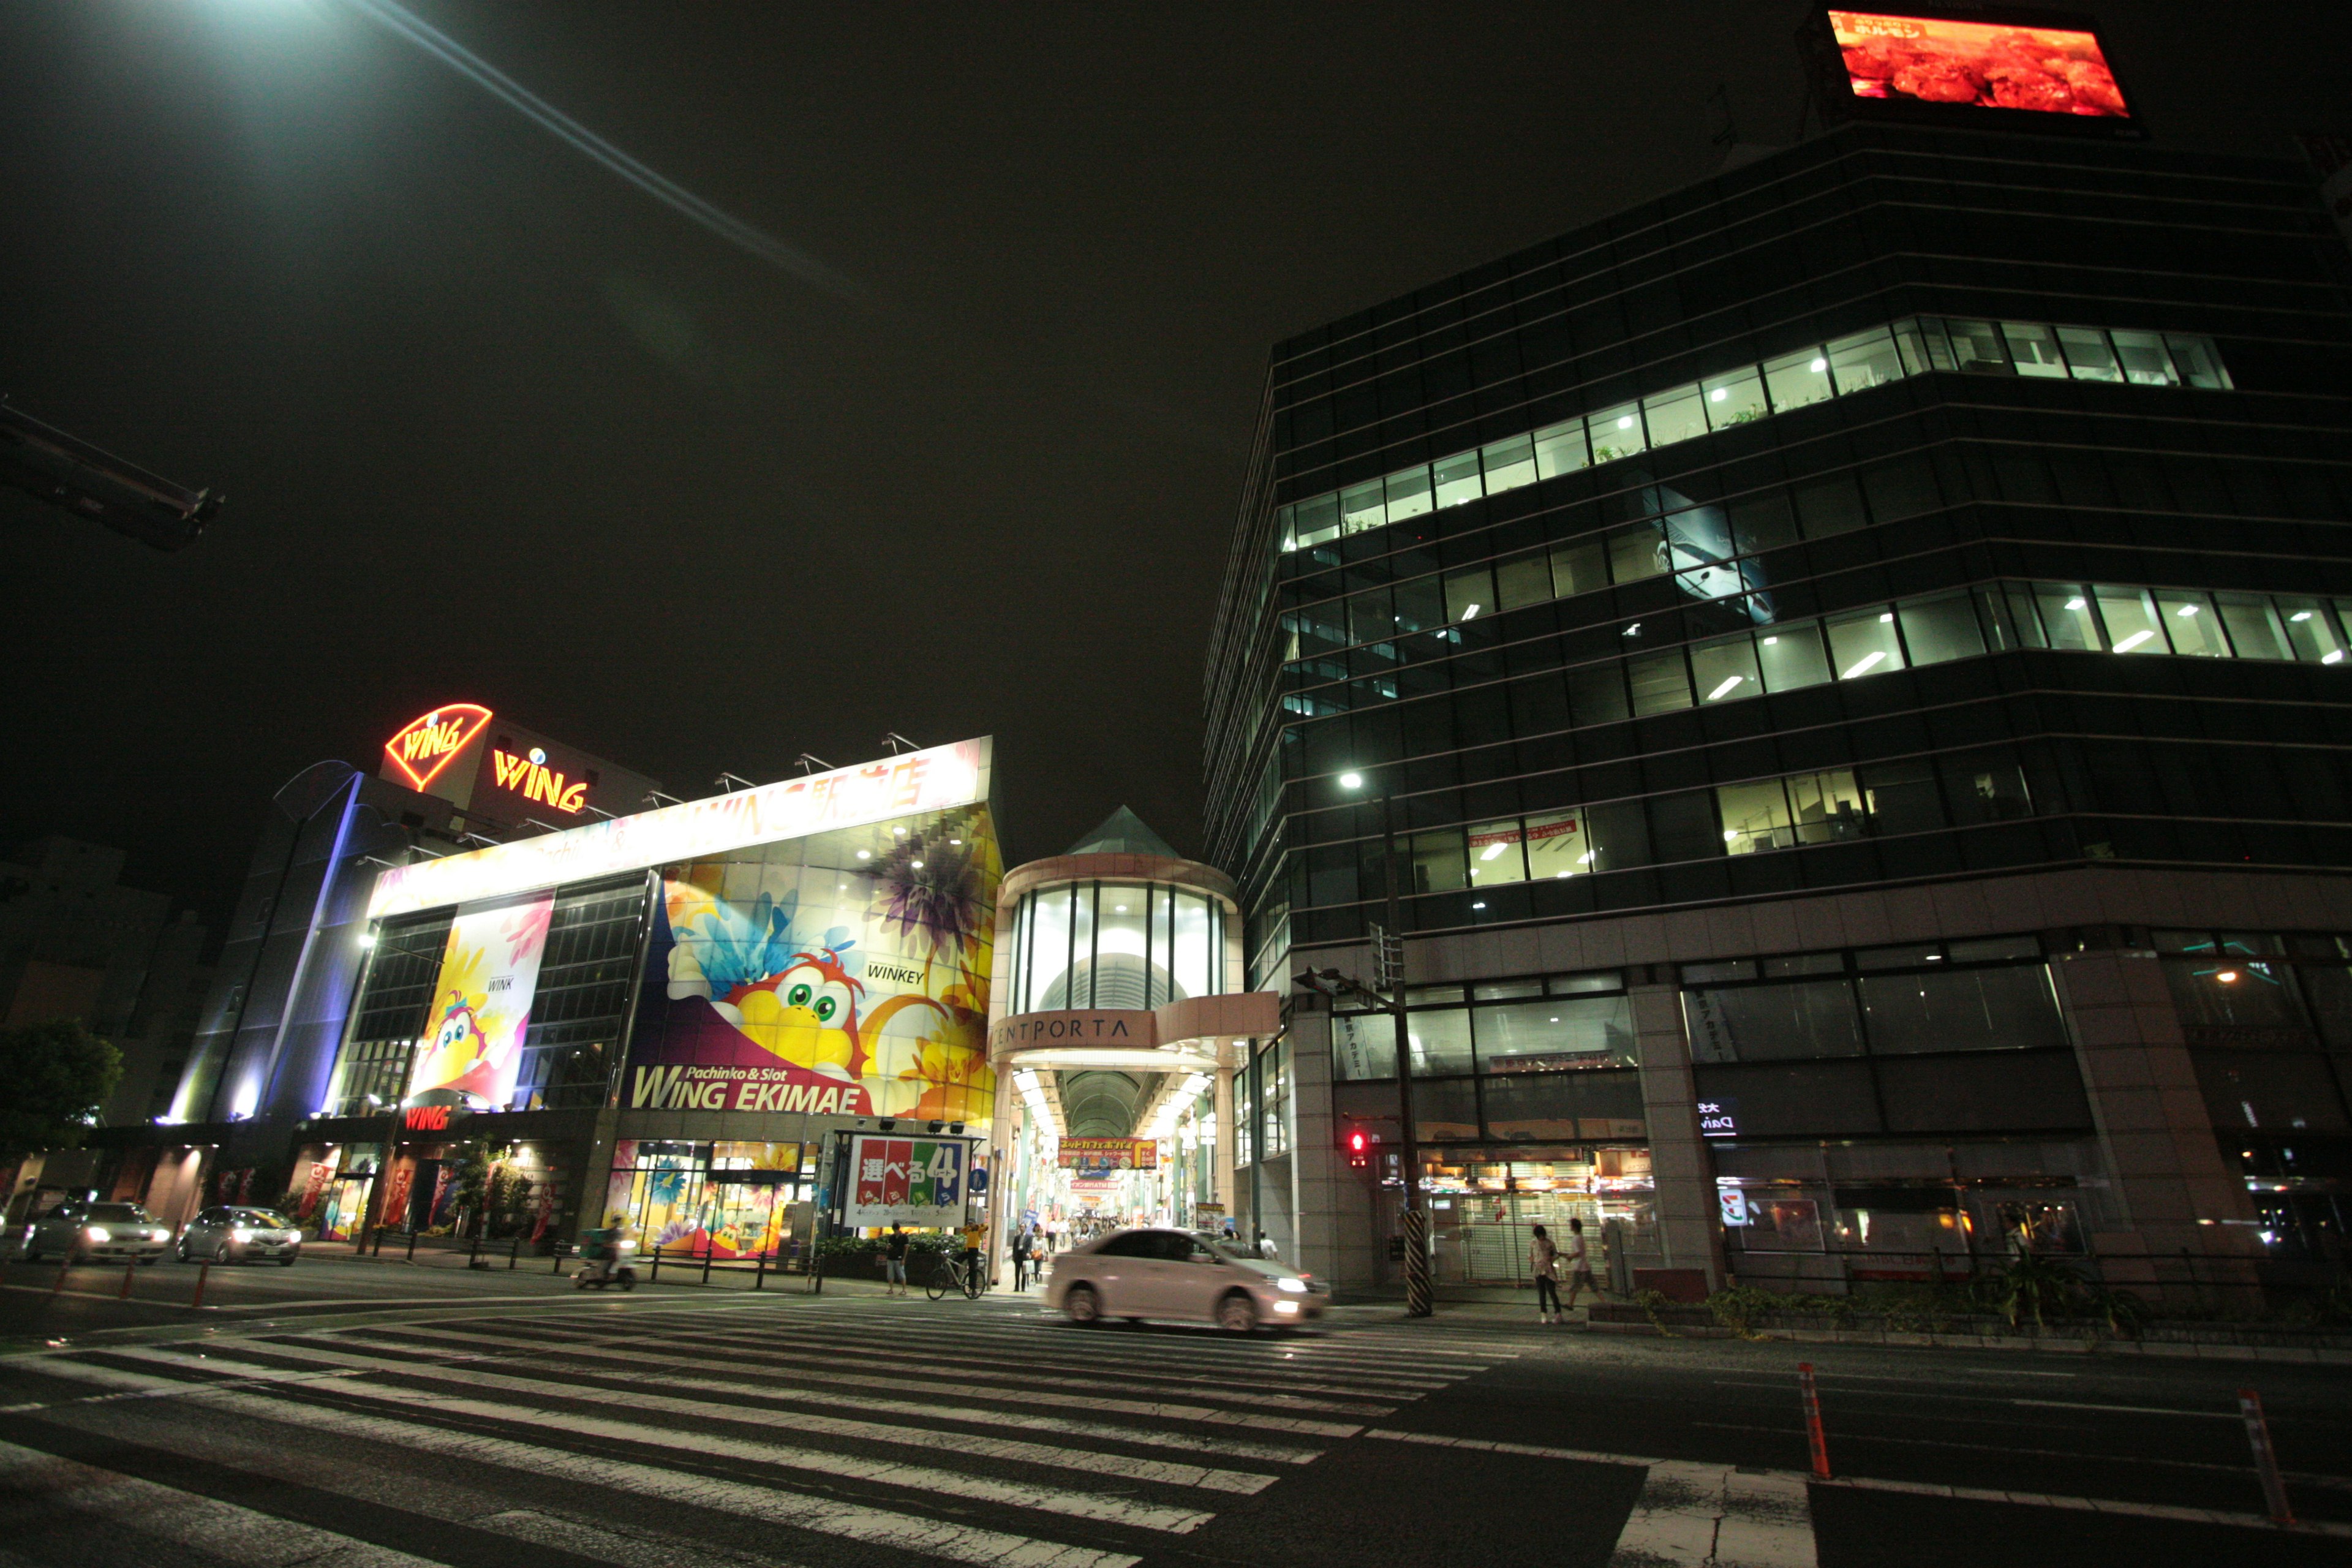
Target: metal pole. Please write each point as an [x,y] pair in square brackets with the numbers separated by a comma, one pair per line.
[760,1272]
[708,1248]
[124,1294]
[2258,1433]
[1420,1296]
[514,1253]
[203,1274]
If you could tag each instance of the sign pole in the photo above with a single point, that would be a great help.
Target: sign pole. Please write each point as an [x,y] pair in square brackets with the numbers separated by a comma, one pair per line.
[1419,1289]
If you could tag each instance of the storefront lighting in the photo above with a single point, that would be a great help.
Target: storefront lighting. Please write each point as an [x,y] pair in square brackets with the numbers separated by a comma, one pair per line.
[865,854]
[917,865]
[1818,365]
[1351,780]
[367,939]
[2227,977]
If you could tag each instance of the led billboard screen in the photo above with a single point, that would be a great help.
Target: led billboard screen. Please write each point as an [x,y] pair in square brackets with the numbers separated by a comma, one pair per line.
[1984,65]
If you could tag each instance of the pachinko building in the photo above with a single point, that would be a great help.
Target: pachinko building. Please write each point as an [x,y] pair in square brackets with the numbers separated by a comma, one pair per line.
[677,1018]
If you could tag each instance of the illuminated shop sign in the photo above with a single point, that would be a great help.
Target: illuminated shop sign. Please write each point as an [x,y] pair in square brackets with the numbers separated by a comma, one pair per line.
[531,777]
[936,780]
[1094,1157]
[429,744]
[1718,1118]
[1982,65]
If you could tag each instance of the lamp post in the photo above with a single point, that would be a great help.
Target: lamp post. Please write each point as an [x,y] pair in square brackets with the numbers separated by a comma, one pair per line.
[1419,1297]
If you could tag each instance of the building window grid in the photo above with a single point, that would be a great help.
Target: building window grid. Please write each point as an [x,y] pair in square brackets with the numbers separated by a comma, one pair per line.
[2009,615]
[1873,357]
[1851,967]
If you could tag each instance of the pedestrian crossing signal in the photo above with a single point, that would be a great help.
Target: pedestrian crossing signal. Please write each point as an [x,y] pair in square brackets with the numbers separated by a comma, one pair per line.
[1360,1147]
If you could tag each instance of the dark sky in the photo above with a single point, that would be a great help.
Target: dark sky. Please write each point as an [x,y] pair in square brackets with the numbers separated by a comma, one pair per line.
[495,426]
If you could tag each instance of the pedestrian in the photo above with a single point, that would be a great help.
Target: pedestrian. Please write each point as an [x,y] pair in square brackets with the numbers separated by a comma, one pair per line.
[1021,1259]
[894,1261]
[1543,1256]
[1580,1264]
[1264,1245]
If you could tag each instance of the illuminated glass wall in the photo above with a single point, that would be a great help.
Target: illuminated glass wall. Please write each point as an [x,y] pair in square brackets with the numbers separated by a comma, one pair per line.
[1115,945]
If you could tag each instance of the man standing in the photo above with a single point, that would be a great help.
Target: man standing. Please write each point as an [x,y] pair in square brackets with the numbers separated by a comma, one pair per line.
[1021,1259]
[894,1261]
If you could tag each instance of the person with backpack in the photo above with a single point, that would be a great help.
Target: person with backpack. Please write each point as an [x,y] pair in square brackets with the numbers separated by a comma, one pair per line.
[1021,1245]
[1543,1258]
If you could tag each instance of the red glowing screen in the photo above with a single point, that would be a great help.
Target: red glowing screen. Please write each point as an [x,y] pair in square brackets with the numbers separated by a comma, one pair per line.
[1931,59]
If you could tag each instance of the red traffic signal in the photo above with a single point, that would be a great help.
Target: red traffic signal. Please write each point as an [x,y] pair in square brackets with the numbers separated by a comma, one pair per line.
[1359,1144]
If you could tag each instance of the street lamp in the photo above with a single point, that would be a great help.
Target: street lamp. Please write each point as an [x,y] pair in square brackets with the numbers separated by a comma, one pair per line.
[1419,1297]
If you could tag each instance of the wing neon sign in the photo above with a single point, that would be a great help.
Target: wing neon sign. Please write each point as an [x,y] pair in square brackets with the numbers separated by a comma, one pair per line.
[431,743]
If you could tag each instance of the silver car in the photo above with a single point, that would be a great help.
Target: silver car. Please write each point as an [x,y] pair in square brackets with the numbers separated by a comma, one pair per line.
[1140,1274]
[91,1231]
[232,1235]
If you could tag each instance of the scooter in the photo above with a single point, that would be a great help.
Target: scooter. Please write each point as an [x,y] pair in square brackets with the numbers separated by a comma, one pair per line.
[611,1267]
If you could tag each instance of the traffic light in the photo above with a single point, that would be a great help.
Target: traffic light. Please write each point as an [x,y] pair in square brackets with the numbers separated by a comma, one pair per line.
[1359,1144]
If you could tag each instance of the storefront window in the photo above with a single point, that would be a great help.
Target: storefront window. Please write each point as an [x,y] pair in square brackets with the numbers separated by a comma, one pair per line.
[734,1198]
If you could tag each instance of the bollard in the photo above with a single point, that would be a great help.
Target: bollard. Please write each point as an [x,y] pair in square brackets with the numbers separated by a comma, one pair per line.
[2258,1433]
[654,1272]
[514,1254]
[759,1270]
[124,1294]
[1814,1437]
[556,1252]
[474,1251]
[203,1274]
[708,1248]
[412,1244]
[64,1263]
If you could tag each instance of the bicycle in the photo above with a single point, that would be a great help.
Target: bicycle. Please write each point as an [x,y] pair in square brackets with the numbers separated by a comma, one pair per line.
[951,1275]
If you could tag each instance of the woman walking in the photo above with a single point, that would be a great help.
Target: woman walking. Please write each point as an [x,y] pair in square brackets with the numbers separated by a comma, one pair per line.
[1544,1259]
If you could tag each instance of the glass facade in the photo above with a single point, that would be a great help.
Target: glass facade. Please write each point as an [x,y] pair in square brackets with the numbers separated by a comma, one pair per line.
[1548,543]
[1130,945]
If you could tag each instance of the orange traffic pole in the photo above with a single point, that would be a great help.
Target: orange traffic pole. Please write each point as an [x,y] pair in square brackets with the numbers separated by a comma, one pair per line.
[203,1274]
[1813,1435]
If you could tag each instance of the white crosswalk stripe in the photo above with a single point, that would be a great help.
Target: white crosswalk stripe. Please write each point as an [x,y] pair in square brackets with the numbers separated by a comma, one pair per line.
[829,1394]
[219,1530]
[958,1440]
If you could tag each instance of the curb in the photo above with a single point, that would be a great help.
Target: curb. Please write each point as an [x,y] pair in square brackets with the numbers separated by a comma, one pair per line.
[2172,1351]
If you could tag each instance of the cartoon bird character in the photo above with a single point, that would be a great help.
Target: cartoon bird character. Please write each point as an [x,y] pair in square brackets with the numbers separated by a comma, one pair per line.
[460,1057]
[807,1015]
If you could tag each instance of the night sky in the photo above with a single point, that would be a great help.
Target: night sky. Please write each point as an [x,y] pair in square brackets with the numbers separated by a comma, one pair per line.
[496,425]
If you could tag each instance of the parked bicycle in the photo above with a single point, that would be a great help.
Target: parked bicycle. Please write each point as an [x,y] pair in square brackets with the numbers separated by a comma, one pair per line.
[953,1275]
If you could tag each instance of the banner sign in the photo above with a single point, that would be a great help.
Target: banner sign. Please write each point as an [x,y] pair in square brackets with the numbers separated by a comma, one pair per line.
[1098,1156]
[934,780]
[904,1181]
[481,1004]
[843,974]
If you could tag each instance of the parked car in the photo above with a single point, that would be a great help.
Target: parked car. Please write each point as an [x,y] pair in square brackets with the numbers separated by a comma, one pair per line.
[1175,1274]
[230,1234]
[94,1231]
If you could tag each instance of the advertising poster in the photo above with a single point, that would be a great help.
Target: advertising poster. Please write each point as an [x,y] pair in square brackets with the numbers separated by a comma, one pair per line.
[904,1181]
[1099,1156]
[481,1004]
[845,974]
[1934,59]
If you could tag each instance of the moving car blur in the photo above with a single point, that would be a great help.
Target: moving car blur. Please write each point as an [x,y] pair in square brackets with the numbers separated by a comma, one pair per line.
[1182,1276]
[84,1230]
[233,1234]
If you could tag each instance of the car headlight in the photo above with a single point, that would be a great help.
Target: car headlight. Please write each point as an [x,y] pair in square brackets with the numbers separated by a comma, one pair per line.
[162,1235]
[99,1232]
[1296,1286]
[1285,1306]
[240,1234]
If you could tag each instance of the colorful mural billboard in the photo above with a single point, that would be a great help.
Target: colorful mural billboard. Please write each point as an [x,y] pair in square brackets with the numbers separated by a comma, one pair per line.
[1097,1156]
[843,973]
[482,1003]
[1940,59]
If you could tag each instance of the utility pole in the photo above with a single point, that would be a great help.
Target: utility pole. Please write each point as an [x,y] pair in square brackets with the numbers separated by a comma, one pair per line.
[1420,1291]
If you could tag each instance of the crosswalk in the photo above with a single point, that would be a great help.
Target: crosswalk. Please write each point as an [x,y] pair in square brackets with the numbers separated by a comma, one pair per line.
[839,1431]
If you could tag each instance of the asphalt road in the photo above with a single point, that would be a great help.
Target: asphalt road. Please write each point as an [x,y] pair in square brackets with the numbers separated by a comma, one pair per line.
[358,1415]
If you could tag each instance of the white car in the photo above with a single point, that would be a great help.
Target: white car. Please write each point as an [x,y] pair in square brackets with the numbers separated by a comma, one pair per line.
[93,1231]
[1140,1274]
[238,1235]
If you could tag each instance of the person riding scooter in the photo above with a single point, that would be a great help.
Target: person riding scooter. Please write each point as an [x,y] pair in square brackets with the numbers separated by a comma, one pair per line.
[607,1250]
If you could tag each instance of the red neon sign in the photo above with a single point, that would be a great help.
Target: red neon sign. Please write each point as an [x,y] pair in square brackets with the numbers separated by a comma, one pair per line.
[431,743]
[426,1118]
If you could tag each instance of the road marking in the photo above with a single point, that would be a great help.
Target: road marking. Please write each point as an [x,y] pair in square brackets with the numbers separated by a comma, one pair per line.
[604,1540]
[218,1530]
[1103,1506]
[826,1397]
[1027,1388]
[2128,1409]
[1122,1466]
[808,1511]
[1715,1516]
[1863,1483]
